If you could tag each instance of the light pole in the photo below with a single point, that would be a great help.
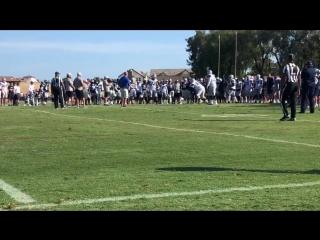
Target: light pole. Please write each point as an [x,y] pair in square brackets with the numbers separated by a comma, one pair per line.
[235,56]
[219,59]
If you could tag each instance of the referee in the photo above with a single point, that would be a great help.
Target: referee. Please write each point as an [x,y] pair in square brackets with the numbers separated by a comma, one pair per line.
[290,87]
[57,90]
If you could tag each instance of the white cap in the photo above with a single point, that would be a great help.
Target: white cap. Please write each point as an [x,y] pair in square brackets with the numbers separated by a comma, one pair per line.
[4,79]
[105,76]
[79,74]
[69,74]
[32,80]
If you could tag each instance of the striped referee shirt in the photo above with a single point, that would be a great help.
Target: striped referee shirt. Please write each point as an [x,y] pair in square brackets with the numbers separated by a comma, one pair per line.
[291,71]
[56,82]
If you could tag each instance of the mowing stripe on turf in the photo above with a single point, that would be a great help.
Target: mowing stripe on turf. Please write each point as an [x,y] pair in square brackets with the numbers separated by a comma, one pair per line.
[166,195]
[15,193]
[184,130]
[223,115]
[192,113]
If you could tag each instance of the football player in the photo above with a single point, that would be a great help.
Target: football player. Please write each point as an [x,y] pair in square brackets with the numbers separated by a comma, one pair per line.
[232,89]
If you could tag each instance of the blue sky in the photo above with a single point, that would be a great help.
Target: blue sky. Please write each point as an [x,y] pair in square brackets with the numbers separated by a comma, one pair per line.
[93,53]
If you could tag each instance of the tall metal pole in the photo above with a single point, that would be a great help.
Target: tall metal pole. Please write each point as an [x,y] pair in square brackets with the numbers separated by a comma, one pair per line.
[235,56]
[219,59]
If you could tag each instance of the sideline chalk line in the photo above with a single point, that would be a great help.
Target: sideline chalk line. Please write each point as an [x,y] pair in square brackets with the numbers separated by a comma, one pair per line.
[165,195]
[15,193]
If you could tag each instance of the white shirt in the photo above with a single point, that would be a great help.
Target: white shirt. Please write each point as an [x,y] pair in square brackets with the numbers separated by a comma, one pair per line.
[133,86]
[31,88]
[4,86]
[212,81]
[70,89]
[17,89]
[197,86]
[139,87]
[164,88]
[152,84]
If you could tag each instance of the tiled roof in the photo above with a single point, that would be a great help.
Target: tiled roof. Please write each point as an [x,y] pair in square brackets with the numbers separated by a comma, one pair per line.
[169,72]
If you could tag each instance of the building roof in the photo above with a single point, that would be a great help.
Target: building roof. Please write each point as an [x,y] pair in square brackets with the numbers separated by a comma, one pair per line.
[29,76]
[142,74]
[169,72]
[8,78]
[12,79]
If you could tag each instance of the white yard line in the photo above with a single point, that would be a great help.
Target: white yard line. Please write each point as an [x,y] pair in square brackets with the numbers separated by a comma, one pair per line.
[184,130]
[234,115]
[166,195]
[15,193]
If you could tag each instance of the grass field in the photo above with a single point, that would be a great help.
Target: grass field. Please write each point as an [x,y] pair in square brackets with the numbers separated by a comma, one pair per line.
[168,157]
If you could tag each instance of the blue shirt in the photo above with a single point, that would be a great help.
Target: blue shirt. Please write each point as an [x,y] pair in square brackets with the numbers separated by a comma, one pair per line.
[124,82]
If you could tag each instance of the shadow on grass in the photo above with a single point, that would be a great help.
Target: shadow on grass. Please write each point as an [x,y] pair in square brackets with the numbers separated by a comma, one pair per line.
[221,169]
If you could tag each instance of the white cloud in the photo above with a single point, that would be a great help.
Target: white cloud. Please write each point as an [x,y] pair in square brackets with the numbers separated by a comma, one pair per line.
[106,47]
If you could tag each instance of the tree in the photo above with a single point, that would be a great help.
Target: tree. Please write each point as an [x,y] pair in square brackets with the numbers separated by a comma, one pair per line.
[262,51]
[203,51]
[195,47]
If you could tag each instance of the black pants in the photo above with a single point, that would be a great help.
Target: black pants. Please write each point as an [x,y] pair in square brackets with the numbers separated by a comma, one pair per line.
[58,97]
[290,94]
[307,95]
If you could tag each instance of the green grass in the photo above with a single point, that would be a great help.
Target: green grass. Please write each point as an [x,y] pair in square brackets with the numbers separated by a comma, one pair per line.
[104,152]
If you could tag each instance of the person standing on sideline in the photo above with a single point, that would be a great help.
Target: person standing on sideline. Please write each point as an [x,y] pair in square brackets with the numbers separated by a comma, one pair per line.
[78,85]
[290,86]
[17,94]
[107,90]
[3,91]
[308,84]
[69,90]
[57,90]
[124,84]
[10,94]
[270,84]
